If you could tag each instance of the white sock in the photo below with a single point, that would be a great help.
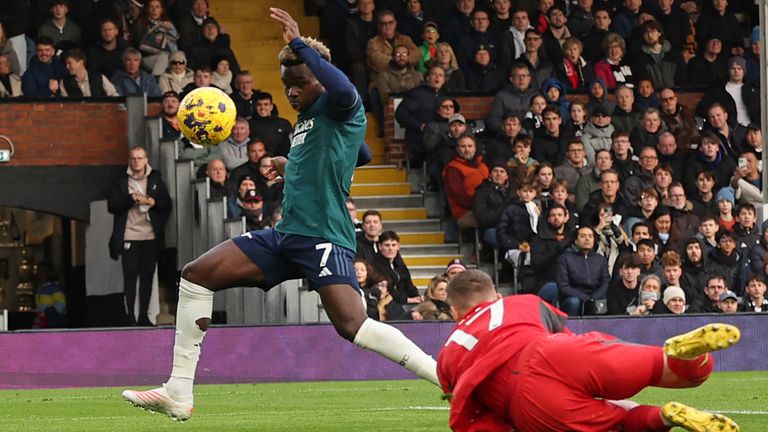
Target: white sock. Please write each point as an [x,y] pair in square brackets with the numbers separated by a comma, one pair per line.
[195,302]
[392,344]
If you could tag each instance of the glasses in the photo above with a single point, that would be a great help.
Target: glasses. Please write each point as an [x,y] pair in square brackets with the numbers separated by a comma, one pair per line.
[401,54]
[178,62]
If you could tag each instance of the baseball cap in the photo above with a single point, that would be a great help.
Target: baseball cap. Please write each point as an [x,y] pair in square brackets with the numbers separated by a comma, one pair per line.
[457,118]
[729,295]
[251,195]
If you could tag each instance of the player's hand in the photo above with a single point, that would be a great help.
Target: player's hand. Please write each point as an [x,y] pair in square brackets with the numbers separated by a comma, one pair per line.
[277,168]
[290,27]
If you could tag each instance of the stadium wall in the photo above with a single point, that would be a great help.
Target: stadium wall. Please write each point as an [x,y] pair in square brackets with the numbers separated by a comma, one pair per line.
[49,359]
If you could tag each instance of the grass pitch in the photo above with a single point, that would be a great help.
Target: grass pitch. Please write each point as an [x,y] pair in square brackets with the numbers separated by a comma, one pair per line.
[324,406]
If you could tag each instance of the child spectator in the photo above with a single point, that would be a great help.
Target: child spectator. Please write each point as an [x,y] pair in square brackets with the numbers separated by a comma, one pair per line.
[429,35]
[725,203]
[645,95]
[754,299]
[532,121]
[519,224]
[554,93]
[708,229]
[521,166]
[598,96]
[578,118]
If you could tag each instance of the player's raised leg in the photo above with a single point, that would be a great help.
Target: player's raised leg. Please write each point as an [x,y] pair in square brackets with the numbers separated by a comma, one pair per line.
[342,304]
[222,267]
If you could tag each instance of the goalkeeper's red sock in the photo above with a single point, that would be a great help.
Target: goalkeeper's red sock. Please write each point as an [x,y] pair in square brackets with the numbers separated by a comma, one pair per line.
[644,418]
[695,370]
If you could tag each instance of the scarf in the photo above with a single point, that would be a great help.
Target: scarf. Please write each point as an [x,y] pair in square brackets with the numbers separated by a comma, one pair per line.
[571,73]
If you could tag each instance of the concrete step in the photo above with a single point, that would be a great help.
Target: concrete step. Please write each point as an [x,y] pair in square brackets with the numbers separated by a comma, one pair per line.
[430,249]
[413,225]
[392,201]
[426,271]
[374,189]
[247,29]
[379,174]
[259,52]
[390,214]
[257,10]
[428,260]
[420,238]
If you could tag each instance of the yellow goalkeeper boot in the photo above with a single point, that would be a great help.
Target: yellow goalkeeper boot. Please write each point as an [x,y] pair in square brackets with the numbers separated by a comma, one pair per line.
[707,338]
[694,420]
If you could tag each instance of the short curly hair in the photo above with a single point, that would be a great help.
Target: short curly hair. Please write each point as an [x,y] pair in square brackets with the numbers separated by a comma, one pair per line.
[288,57]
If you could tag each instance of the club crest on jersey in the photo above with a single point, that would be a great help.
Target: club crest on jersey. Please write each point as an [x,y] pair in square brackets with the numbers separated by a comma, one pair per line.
[300,131]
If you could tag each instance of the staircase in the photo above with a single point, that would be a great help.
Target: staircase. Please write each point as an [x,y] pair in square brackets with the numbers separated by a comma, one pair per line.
[256,40]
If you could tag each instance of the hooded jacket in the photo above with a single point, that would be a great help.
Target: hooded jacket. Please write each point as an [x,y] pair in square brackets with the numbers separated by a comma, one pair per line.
[668,72]
[596,138]
[562,103]
[489,203]
[461,178]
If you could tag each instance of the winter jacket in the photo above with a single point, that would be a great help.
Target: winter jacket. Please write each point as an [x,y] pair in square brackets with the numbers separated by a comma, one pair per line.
[514,227]
[416,110]
[562,103]
[489,203]
[734,268]
[126,85]
[582,275]
[506,100]
[545,249]
[461,178]
[668,72]
[398,276]
[395,80]
[484,79]
[34,82]
[596,138]
[723,167]
[625,121]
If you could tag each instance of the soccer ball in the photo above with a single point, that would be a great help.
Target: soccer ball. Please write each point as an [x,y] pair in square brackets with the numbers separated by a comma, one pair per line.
[207,116]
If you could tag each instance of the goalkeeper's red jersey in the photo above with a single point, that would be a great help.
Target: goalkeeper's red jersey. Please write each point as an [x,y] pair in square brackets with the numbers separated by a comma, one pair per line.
[488,336]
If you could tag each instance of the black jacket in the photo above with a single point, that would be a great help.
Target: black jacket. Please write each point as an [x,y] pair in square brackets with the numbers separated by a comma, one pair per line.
[489,203]
[514,227]
[399,278]
[582,276]
[545,249]
[120,201]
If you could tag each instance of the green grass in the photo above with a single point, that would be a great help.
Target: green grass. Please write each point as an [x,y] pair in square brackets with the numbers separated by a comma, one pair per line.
[323,406]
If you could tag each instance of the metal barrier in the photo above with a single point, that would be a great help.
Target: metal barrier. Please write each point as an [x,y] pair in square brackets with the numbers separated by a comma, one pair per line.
[183,208]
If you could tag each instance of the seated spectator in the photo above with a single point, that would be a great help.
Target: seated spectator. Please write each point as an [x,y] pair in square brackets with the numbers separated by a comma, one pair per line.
[244,95]
[668,154]
[202,78]
[543,179]
[740,99]
[535,59]
[490,200]
[647,202]
[646,133]
[662,180]
[518,225]
[727,260]
[649,296]
[250,205]
[438,136]
[368,238]
[621,153]
[729,302]
[515,97]
[643,175]
[573,70]
[715,287]
[413,20]
[708,229]
[554,236]
[703,197]
[483,74]
[747,180]
[7,50]
[719,21]
[256,150]
[581,19]
[10,83]
[213,46]
[454,267]
[178,75]
[590,181]
[380,48]
[81,82]
[624,292]
[398,76]
[674,300]
[555,33]
[730,134]
[726,203]
[271,191]
[678,120]
[610,239]
[233,150]
[191,23]
[754,297]
[480,35]
[676,25]
[554,92]
[686,223]
[593,40]
[429,36]
[578,119]
[44,72]
[657,60]
[132,79]
[752,57]
[359,28]
[521,166]
[369,285]
[63,32]
[614,70]
[156,37]
[710,66]
[417,109]
[627,18]
[389,263]
[574,166]
[106,58]
[216,172]
[709,156]
[533,120]
[581,274]
[608,193]
[461,177]
[502,145]
[746,231]
[434,307]
[272,129]
[753,141]
[665,236]
[645,95]
[624,116]
[170,107]
[455,81]
[388,308]
[549,143]
[598,133]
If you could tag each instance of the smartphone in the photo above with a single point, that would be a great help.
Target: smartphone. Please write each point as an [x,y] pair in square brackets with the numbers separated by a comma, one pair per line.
[742,163]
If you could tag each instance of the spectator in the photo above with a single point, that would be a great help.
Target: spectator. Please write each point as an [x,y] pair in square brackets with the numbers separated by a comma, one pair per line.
[574,166]
[694,270]
[686,223]
[12,20]
[589,182]
[398,77]
[369,285]
[132,80]
[753,141]
[490,200]
[710,66]
[719,22]
[243,95]
[581,274]
[178,75]
[533,120]
[573,70]
[662,180]
[140,203]
[389,263]
[543,178]
[624,116]
[729,302]
[63,32]
[455,266]
[233,150]
[50,299]
[106,57]
[360,28]
[598,96]
[538,64]
[10,83]
[519,29]
[746,232]
[731,134]
[202,78]
[597,133]
[665,236]
[275,131]
[628,18]
[456,24]
[434,307]
[703,196]
[416,110]
[44,72]
[647,202]
[554,236]
[191,23]
[674,300]
[271,190]
[649,296]
[381,47]
[501,17]
[249,204]
[216,172]
[727,260]
[412,21]
[501,147]
[726,202]
[446,60]
[222,75]
[679,121]
[440,139]
[609,194]
[747,180]
[368,239]
[708,229]
[621,154]
[461,177]
[521,166]
[429,35]
[515,97]
[480,35]
[213,46]
[675,23]
[555,34]
[483,74]
[256,150]
[554,92]
[170,107]
[580,18]
[710,156]
[645,95]
[646,251]
[155,36]
[657,59]
[614,70]
[549,143]
[647,132]
[6,50]
[754,299]
[643,176]
[610,239]
[81,82]
[624,292]
[578,119]
[715,287]
[741,100]
[593,40]
[752,57]
[518,225]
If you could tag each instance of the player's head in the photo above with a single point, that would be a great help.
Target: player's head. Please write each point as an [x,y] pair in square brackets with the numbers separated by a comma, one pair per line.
[301,86]
[468,289]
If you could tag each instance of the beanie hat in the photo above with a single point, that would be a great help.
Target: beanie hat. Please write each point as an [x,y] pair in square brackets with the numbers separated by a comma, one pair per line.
[737,60]
[727,194]
[673,292]
[754,37]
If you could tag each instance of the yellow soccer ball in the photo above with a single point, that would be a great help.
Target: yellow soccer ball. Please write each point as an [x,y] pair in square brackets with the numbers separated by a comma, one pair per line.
[207,116]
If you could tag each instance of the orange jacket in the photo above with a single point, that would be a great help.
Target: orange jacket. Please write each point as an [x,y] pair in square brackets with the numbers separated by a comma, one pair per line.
[460,179]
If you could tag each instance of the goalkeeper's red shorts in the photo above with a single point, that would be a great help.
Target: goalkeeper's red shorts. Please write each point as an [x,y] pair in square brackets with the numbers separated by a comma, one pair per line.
[559,383]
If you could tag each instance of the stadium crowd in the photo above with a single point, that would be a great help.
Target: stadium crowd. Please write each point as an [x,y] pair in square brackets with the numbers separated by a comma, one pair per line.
[645,206]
